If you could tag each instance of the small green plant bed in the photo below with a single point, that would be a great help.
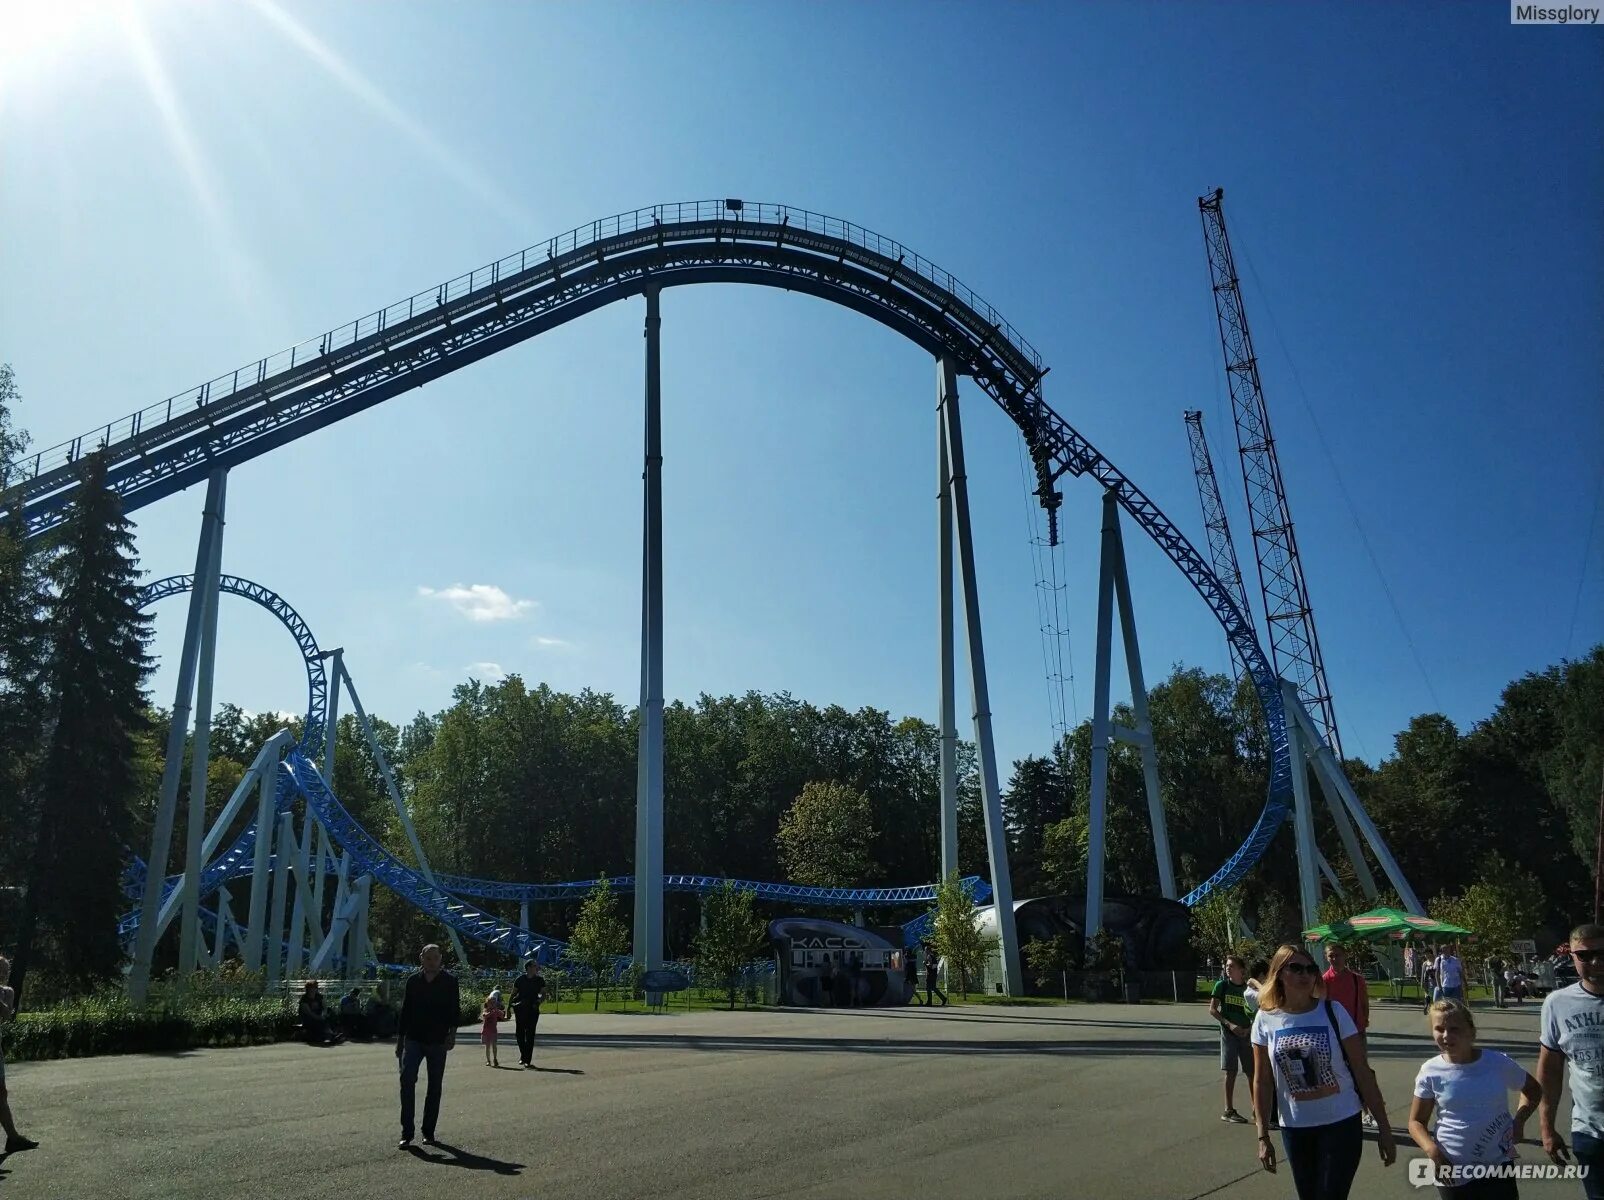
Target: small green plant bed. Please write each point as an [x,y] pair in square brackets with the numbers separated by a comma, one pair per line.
[693,1000]
[109,1024]
[1011,1001]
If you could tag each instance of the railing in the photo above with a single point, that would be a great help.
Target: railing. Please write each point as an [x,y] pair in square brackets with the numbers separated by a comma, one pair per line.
[729,215]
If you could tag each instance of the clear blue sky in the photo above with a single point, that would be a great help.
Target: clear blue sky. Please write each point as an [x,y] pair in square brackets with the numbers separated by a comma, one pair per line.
[1416,189]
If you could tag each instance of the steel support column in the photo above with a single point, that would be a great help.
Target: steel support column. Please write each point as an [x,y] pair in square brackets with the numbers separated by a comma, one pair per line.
[224,917]
[949,708]
[1144,724]
[284,847]
[321,854]
[648,949]
[256,915]
[303,916]
[990,793]
[161,838]
[207,585]
[1303,820]
[1097,805]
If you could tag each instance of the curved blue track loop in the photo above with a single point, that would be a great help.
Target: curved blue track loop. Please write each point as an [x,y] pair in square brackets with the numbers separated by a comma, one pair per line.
[266,404]
[236,859]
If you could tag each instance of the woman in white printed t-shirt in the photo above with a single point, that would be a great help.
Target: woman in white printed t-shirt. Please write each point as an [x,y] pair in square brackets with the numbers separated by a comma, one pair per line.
[1310,1053]
[1468,1088]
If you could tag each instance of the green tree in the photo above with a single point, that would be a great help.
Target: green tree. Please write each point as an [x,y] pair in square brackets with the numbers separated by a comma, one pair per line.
[733,935]
[1505,903]
[22,688]
[1047,958]
[90,773]
[825,835]
[599,937]
[956,935]
[1216,923]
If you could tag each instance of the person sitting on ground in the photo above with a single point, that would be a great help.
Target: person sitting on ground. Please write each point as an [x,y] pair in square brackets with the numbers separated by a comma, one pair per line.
[352,1023]
[315,1027]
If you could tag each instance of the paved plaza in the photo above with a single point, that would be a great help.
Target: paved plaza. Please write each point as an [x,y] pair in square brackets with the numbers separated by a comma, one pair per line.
[1093,1101]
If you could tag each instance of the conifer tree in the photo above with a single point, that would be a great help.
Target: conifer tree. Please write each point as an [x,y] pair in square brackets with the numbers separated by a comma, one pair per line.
[94,678]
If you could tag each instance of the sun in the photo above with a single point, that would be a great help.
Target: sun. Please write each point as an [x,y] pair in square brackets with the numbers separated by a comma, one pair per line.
[43,38]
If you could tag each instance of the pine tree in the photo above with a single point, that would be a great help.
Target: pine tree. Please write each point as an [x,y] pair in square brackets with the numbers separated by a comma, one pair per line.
[22,642]
[94,687]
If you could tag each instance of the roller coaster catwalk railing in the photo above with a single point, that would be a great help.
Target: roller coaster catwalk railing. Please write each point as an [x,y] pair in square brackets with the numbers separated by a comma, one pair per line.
[239,416]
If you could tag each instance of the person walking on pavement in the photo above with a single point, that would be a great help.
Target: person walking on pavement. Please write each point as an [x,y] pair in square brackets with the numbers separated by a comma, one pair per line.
[528,992]
[1573,1036]
[931,990]
[8,1009]
[426,1030]
[1450,976]
[910,974]
[1347,987]
[1227,1007]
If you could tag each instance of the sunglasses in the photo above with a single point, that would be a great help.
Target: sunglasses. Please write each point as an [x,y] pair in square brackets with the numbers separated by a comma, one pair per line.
[1588,956]
[1301,968]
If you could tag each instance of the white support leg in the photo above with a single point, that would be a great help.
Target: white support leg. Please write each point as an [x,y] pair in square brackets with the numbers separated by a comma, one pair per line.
[161,838]
[200,748]
[261,871]
[321,854]
[356,958]
[949,709]
[302,915]
[1303,823]
[283,853]
[990,794]
[648,949]
[1097,812]
[224,918]
[1144,724]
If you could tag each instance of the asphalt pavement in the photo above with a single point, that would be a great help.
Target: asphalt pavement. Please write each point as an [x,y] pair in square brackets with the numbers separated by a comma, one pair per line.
[968,1101]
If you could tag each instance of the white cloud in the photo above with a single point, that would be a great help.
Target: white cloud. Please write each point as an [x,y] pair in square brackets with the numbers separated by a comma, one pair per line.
[488,671]
[551,643]
[480,601]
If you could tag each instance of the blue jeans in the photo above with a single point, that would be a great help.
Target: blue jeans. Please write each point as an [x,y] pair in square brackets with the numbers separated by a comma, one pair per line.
[413,1053]
[1324,1158]
[1589,1152]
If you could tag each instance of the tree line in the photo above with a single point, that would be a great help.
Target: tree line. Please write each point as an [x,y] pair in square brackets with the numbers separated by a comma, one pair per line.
[518,781]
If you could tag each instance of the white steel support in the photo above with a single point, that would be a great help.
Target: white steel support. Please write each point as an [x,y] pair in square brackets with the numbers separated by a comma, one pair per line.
[523,912]
[1332,779]
[1303,820]
[1097,804]
[265,762]
[394,789]
[990,793]
[949,705]
[261,879]
[200,748]
[224,918]
[321,854]
[1144,724]
[302,916]
[648,948]
[283,851]
[356,957]
[161,838]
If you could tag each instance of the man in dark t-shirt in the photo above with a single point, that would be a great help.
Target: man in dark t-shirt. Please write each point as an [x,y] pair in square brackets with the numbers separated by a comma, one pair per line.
[528,990]
[426,1029]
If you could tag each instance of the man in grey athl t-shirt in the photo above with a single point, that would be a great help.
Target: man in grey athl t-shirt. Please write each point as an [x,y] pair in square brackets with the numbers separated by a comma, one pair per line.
[1573,1035]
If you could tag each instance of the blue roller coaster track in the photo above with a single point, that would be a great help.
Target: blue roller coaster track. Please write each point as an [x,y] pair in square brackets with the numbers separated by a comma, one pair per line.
[245,413]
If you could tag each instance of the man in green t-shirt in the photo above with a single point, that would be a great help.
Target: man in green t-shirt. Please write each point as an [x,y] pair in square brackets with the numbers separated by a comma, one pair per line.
[1236,1051]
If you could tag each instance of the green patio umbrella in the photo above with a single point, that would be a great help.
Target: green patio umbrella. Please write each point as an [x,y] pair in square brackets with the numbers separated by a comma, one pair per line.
[1377,924]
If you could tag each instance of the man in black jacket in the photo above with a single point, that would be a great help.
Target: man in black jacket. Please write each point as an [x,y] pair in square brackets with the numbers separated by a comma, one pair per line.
[528,990]
[425,1030]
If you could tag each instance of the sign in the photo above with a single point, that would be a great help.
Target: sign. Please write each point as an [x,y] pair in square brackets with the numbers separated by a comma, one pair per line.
[1523,946]
[664,979]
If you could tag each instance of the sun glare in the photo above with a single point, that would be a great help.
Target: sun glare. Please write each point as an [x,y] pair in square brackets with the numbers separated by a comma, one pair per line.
[41,36]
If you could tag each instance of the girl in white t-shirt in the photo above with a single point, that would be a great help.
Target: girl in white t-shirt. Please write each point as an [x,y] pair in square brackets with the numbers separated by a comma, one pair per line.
[1309,1054]
[1468,1088]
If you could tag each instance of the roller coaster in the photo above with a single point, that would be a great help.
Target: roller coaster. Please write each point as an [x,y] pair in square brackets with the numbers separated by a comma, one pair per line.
[204,432]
